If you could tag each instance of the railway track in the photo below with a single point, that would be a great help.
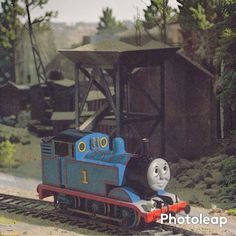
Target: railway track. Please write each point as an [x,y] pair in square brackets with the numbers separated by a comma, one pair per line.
[45,210]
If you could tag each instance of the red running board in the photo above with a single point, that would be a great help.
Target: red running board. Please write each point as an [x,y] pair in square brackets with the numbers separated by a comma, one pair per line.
[47,191]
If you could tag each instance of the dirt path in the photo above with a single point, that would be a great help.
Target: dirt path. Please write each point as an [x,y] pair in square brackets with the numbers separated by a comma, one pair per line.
[27,188]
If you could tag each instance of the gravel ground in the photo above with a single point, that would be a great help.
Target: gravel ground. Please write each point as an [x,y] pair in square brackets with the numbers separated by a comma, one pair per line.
[15,186]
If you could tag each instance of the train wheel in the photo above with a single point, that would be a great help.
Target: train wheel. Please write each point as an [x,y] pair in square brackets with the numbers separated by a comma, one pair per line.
[129,218]
[96,207]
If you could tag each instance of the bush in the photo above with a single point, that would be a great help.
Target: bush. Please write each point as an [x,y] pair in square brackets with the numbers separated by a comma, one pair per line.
[7,150]
[229,165]
[231,212]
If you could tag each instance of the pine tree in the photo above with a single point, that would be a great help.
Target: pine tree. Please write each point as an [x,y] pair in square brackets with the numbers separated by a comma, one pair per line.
[9,30]
[209,33]
[108,21]
[158,14]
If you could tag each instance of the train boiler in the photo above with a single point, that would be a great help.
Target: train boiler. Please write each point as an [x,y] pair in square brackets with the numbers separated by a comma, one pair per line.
[91,174]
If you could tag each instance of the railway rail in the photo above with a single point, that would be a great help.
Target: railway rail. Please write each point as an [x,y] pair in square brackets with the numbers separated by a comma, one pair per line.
[45,210]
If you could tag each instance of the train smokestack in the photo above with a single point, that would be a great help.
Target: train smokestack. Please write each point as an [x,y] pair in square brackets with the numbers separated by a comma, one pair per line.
[145,149]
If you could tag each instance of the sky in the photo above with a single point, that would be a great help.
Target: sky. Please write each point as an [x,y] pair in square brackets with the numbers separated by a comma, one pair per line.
[71,11]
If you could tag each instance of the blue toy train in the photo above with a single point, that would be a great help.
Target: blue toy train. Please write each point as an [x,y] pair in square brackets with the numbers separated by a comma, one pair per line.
[90,173]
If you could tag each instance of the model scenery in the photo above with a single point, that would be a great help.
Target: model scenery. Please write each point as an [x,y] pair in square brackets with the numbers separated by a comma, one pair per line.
[92,174]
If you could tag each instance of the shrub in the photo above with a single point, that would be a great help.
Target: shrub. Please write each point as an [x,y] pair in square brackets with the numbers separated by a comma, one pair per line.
[7,150]
[231,212]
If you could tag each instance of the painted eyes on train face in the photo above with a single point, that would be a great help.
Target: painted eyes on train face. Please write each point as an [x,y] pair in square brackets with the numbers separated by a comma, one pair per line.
[156,171]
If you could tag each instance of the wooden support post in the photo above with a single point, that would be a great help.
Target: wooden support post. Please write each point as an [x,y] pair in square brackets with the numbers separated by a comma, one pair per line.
[77,98]
[117,89]
[162,92]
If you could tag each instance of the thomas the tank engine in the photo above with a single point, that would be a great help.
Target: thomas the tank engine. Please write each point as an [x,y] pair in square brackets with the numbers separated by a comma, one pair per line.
[84,174]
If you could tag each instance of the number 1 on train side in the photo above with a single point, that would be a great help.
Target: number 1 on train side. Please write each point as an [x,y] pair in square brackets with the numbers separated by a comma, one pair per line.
[84,177]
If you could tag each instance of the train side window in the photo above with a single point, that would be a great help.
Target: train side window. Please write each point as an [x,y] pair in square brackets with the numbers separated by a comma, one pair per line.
[61,149]
[72,151]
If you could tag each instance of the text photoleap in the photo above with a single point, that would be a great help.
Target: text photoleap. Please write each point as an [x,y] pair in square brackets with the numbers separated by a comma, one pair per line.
[206,220]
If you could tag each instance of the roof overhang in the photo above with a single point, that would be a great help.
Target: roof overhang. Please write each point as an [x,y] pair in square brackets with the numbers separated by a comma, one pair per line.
[117,53]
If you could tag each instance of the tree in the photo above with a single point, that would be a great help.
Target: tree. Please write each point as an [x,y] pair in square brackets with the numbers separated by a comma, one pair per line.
[9,29]
[108,21]
[208,29]
[158,14]
[226,53]
[43,19]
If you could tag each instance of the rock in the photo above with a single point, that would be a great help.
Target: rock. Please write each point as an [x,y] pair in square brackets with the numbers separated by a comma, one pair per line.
[215,186]
[197,165]
[218,177]
[215,210]
[211,192]
[209,181]
[197,177]
[25,141]
[185,164]
[175,169]
[208,174]
[226,198]
[217,166]
[216,159]
[183,178]
[202,185]
[193,199]
[189,184]
[203,160]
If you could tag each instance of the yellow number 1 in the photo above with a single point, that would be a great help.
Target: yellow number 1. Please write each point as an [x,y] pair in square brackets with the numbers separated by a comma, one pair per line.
[85,177]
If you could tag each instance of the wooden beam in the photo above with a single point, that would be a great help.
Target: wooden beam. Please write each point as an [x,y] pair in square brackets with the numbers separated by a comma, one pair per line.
[162,92]
[91,122]
[147,95]
[91,79]
[77,109]
[96,84]
[117,89]
[108,92]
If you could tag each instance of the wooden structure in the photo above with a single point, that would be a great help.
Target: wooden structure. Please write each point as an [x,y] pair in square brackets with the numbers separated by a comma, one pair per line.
[190,105]
[13,98]
[118,60]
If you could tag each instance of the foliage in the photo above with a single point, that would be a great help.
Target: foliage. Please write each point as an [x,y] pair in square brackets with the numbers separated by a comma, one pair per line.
[108,21]
[7,149]
[9,19]
[226,52]
[158,14]
[11,28]
[43,19]
[229,165]
[199,14]
[208,29]
[231,212]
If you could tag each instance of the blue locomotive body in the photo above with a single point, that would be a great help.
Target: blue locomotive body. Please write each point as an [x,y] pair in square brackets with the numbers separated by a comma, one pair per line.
[84,162]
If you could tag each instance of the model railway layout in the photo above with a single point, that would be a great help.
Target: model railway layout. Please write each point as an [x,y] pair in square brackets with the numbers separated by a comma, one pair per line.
[45,210]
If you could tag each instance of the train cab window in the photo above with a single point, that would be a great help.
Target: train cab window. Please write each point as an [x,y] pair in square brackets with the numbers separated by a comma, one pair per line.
[61,149]
[72,147]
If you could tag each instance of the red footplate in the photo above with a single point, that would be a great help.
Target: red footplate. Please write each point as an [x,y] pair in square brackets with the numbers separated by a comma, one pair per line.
[47,190]
[156,214]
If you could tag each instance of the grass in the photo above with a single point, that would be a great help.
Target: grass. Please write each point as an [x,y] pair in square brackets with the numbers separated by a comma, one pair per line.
[26,156]
[12,218]
[231,212]
[6,221]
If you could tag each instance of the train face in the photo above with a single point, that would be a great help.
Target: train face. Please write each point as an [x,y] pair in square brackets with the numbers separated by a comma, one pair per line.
[83,173]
